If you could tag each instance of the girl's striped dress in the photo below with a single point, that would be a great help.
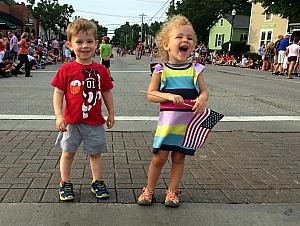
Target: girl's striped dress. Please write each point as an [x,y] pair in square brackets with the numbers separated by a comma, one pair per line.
[174,119]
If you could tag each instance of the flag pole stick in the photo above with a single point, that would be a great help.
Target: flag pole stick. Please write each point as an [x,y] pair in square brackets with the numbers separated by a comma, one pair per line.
[189,105]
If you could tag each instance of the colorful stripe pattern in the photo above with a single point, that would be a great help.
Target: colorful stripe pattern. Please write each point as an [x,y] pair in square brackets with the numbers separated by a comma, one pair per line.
[174,119]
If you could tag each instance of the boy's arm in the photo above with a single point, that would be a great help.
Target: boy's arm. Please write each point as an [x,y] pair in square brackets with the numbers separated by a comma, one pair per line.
[110,53]
[109,103]
[58,96]
[100,51]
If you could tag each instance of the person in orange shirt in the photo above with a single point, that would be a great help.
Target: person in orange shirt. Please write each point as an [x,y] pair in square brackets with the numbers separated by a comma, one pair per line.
[23,52]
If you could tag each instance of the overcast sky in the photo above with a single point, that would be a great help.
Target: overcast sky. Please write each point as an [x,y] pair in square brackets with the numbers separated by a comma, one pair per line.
[113,13]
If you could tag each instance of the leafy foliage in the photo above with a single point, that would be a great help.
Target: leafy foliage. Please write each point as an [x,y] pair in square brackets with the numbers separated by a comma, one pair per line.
[9,2]
[102,31]
[51,15]
[203,14]
[127,35]
[284,8]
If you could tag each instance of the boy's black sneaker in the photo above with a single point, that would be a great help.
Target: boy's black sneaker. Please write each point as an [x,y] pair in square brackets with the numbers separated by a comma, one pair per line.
[66,192]
[100,190]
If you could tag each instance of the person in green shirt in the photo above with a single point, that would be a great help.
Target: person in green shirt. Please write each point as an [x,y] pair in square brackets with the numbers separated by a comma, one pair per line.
[105,54]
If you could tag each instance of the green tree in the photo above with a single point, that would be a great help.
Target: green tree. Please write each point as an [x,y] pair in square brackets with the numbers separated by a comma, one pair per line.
[203,14]
[9,2]
[127,35]
[102,31]
[284,8]
[66,12]
[154,28]
[135,33]
[51,15]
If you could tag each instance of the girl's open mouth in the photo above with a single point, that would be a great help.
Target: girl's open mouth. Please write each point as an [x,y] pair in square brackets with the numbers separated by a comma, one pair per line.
[183,48]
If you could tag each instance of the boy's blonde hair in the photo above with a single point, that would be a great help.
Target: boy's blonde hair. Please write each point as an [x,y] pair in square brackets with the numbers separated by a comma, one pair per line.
[81,24]
[164,34]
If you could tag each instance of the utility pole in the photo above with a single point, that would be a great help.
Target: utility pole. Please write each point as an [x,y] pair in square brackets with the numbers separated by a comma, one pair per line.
[143,15]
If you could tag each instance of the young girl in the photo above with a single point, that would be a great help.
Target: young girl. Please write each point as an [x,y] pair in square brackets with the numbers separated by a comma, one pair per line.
[177,82]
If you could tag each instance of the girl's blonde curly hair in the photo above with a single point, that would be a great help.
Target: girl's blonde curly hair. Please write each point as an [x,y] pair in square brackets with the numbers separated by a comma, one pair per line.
[164,34]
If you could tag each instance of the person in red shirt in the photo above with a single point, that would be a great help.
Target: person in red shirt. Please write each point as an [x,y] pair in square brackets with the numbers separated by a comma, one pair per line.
[83,84]
[23,52]
[139,51]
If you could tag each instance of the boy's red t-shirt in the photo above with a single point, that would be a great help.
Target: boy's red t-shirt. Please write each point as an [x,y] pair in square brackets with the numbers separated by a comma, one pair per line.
[83,86]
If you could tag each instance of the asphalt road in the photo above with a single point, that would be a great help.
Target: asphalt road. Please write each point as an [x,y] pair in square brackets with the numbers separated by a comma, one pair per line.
[233,91]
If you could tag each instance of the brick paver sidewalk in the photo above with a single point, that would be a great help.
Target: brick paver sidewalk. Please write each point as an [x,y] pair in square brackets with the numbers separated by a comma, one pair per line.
[233,167]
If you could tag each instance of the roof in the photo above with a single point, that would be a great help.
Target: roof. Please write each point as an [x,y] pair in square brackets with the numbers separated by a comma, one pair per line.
[240,21]
[6,25]
[11,19]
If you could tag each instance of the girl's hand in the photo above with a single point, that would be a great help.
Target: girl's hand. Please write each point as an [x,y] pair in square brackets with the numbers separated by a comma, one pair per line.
[61,124]
[199,105]
[176,99]
[110,121]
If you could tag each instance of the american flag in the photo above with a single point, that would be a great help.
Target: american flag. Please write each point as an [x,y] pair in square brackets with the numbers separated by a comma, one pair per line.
[199,128]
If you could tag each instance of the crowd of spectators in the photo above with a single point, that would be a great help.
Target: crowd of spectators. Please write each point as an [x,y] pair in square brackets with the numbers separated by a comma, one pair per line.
[280,58]
[38,53]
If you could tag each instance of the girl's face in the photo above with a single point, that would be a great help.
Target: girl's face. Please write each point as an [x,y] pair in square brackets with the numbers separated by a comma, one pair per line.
[180,44]
[84,45]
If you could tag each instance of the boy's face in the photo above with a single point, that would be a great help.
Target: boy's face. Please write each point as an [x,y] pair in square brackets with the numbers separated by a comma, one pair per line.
[84,45]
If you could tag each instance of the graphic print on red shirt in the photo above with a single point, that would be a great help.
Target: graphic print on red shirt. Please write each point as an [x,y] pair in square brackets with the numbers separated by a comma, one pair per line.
[82,86]
[91,90]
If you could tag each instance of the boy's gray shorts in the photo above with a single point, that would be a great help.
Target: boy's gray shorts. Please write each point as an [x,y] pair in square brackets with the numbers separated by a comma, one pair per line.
[93,136]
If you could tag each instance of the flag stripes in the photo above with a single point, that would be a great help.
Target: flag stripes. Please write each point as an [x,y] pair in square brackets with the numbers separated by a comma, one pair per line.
[194,131]
[199,128]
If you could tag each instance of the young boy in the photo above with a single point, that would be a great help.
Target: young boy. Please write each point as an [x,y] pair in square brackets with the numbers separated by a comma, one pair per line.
[105,54]
[83,83]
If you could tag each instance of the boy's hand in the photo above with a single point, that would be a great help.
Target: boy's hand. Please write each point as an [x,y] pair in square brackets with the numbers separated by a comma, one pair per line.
[110,121]
[176,99]
[199,105]
[61,124]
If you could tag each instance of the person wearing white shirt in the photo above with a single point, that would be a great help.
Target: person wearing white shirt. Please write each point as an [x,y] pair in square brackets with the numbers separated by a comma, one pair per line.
[293,53]
[244,62]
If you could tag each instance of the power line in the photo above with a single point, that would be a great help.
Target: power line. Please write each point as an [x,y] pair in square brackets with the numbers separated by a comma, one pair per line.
[113,15]
[104,14]
[158,10]
[163,14]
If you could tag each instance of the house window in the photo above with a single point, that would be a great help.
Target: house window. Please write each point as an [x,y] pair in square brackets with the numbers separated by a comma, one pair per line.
[221,22]
[265,37]
[219,40]
[244,37]
[268,16]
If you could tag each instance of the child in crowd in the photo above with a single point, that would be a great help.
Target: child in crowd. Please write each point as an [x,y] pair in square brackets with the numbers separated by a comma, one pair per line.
[7,66]
[66,53]
[105,54]
[172,84]
[83,83]
[244,62]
